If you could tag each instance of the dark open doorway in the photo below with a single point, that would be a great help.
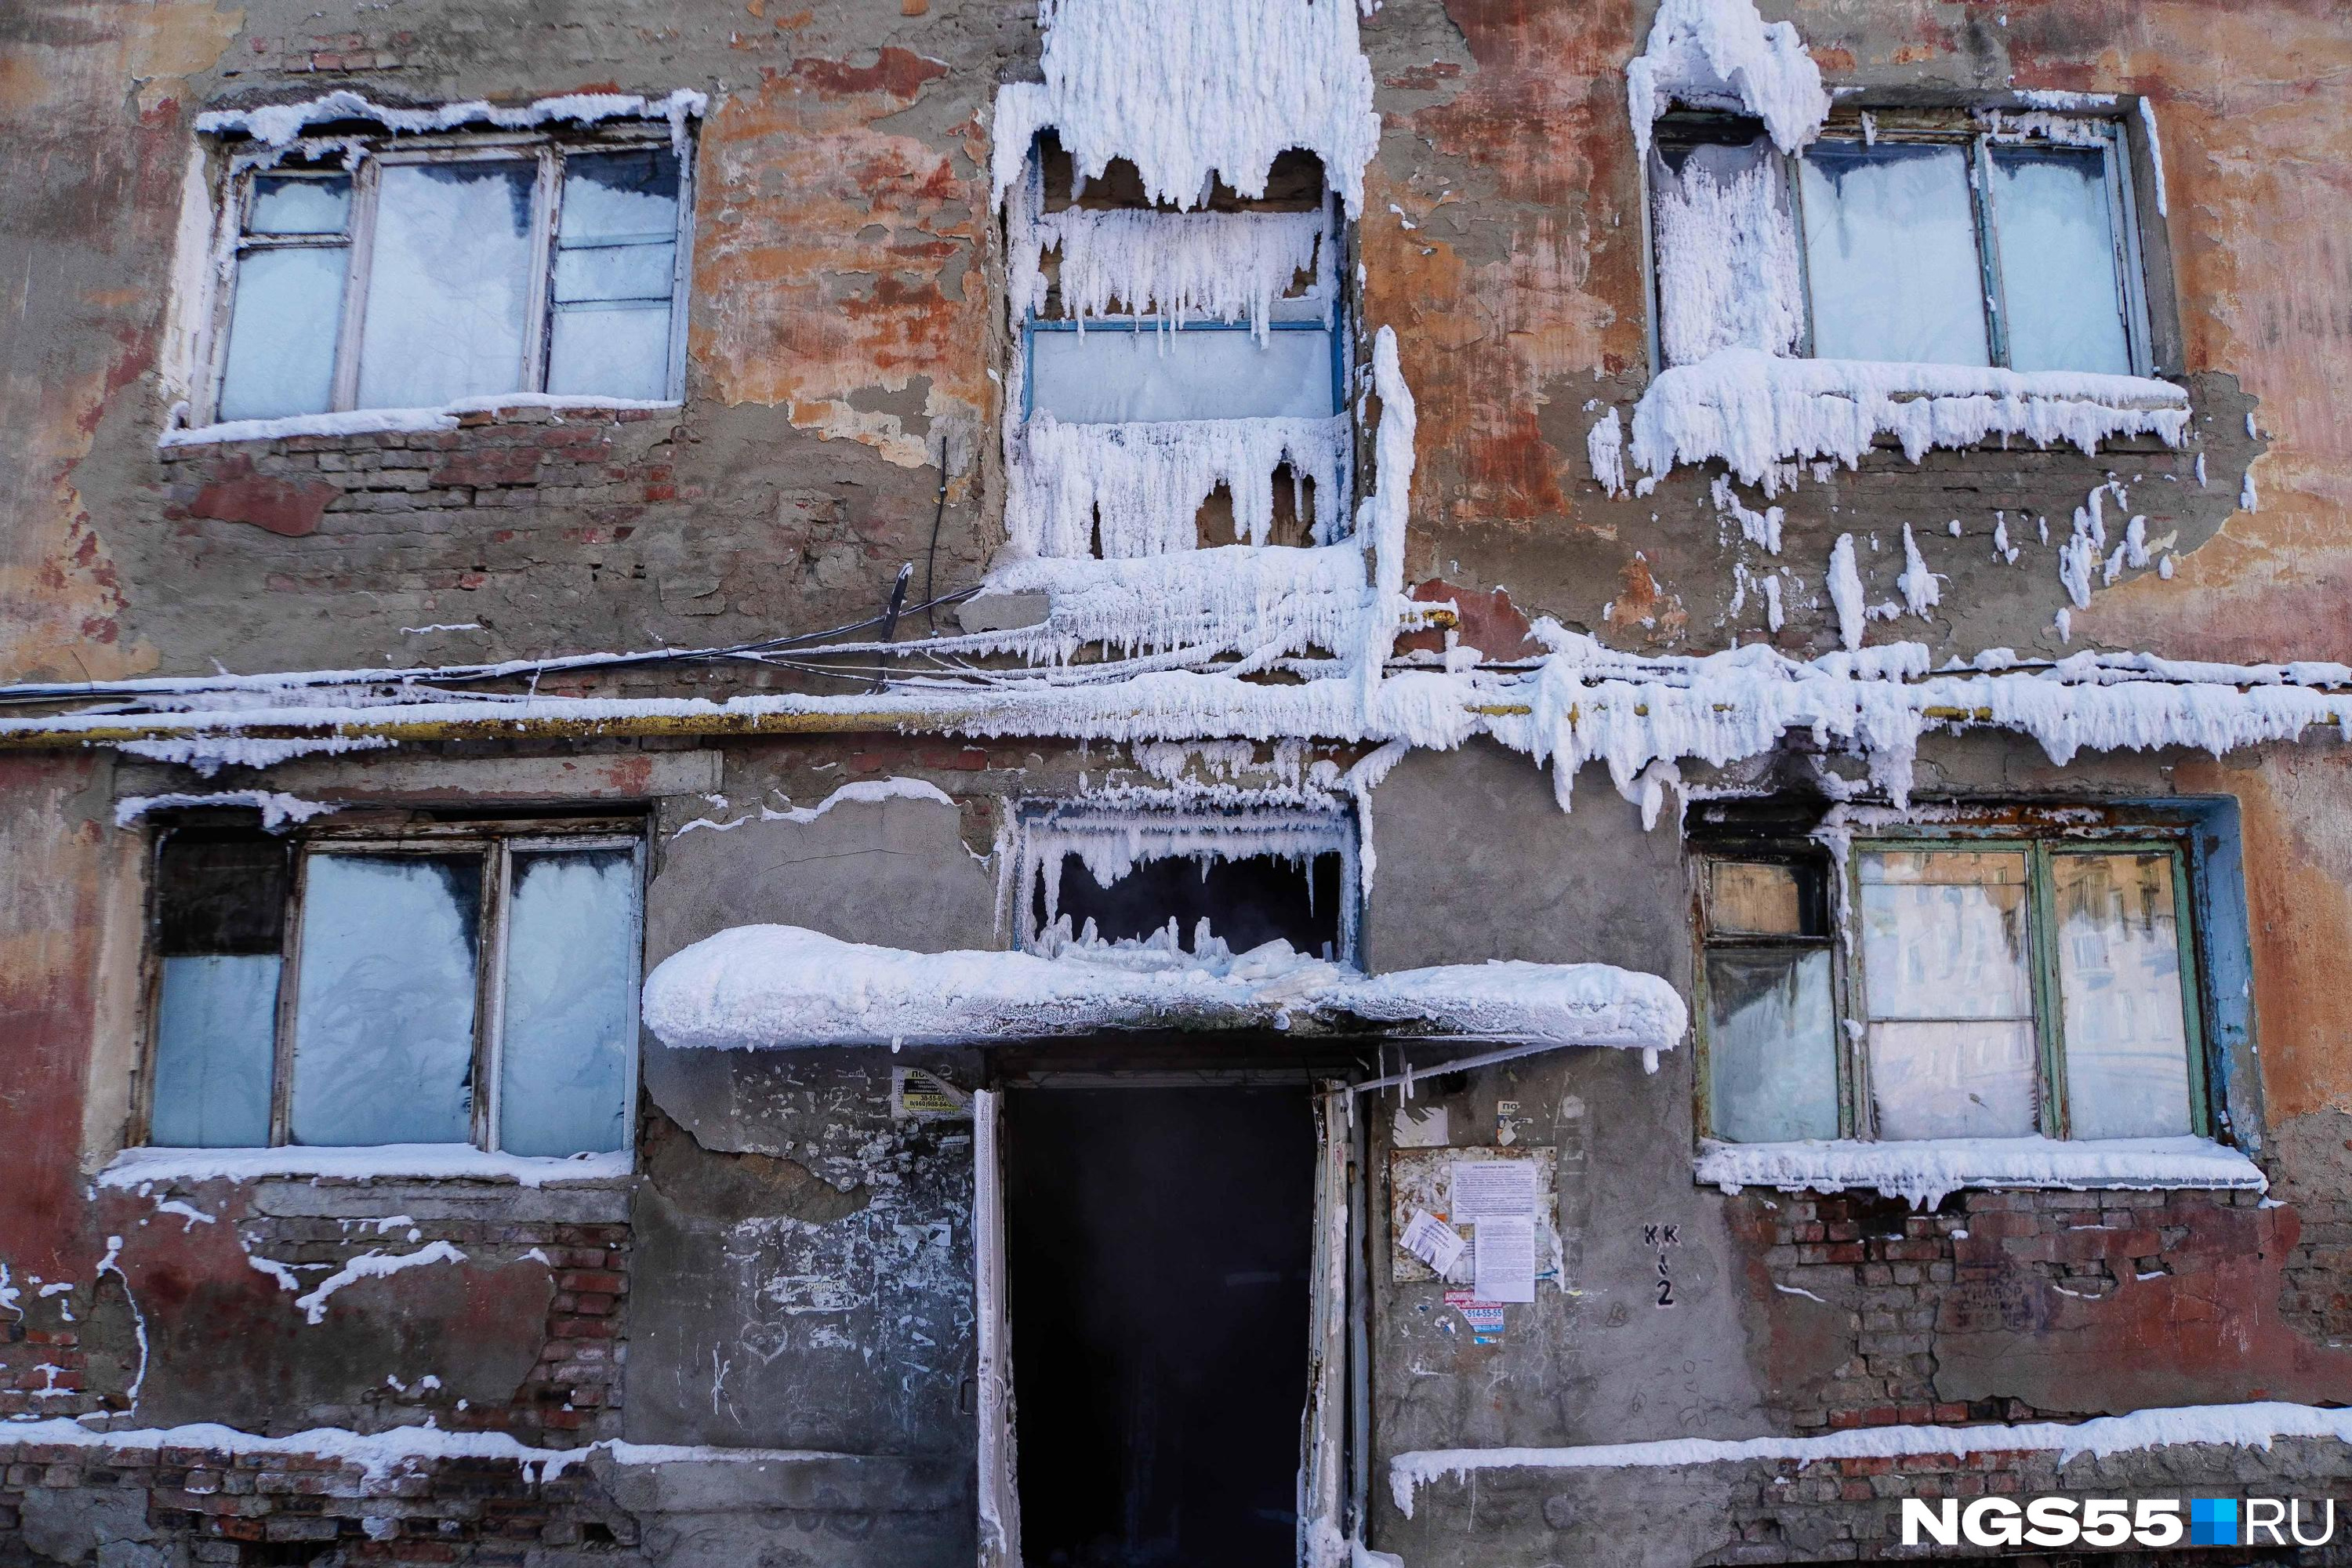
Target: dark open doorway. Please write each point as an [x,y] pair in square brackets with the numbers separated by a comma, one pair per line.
[1157,1257]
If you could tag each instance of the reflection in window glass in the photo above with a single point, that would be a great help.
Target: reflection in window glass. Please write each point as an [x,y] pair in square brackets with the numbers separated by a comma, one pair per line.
[293,203]
[449,285]
[570,1017]
[1772,1045]
[2054,225]
[2119,977]
[1891,254]
[1111,375]
[1946,964]
[617,248]
[383,1025]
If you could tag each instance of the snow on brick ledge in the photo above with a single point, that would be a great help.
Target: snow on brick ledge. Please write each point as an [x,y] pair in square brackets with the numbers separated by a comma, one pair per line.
[776,987]
[2253,1426]
[1755,410]
[388,1162]
[1925,1169]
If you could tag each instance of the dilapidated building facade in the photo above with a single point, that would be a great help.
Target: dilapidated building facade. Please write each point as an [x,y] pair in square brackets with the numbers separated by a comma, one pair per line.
[1108,784]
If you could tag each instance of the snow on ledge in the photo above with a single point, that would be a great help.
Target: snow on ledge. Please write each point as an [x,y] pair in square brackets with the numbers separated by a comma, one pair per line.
[776,986]
[389,1162]
[279,124]
[2251,1425]
[1756,411]
[1925,1169]
[378,1456]
[381,421]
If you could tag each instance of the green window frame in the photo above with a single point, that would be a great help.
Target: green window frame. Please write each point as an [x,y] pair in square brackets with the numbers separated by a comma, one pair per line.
[1731,1065]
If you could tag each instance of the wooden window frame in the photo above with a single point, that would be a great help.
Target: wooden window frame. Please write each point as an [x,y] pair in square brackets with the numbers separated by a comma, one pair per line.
[1849,980]
[545,152]
[1961,128]
[497,843]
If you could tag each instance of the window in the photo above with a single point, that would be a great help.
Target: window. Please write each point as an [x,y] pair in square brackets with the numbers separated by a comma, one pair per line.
[434,272]
[1983,987]
[1186,880]
[1912,237]
[458,987]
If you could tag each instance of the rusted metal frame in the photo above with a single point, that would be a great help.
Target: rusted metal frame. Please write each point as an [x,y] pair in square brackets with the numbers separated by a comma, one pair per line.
[1993,290]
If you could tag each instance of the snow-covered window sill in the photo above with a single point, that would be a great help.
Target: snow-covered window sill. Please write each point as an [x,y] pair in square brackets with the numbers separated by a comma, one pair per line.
[382,421]
[390,1162]
[1925,1169]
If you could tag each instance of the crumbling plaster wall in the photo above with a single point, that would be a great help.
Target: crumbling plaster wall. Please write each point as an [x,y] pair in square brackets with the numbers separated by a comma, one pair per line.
[1502,239]
[842,332]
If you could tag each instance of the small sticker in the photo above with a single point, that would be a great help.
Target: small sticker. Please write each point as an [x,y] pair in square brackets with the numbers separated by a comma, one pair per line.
[1484,1318]
[920,1096]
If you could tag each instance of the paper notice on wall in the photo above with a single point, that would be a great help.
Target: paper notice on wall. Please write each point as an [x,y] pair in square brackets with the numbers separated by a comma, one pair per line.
[1433,1241]
[1490,1189]
[1504,1265]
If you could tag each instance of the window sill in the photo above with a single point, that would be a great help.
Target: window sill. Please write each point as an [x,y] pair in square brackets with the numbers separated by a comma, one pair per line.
[391,1161]
[382,421]
[1925,1169]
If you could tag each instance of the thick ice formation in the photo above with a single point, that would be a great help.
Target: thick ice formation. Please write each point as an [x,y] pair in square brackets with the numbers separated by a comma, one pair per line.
[1272,600]
[1214,88]
[1924,1171]
[1719,54]
[1136,490]
[773,986]
[1757,413]
[1226,266]
[2253,1426]
[1727,253]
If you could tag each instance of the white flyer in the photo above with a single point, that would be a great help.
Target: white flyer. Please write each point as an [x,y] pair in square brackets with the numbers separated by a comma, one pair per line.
[1485,1189]
[1505,1267]
[1433,1241]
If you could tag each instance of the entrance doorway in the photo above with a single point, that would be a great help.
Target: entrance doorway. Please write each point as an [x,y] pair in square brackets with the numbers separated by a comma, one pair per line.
[1159,1246]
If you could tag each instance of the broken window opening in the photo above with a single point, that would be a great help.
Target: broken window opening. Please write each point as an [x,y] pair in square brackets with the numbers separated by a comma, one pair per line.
[1908,238]
[457,985]
[1187,882]
[428,271]
[1163,353]
[2000,984]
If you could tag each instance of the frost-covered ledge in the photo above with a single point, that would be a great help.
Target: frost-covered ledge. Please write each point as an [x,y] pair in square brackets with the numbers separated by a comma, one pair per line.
[1925,1169]
[774,986]
[391,1161]
[385,421]
[1758,412]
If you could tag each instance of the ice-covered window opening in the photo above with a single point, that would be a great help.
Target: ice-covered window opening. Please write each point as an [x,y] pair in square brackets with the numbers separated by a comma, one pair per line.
[1222,382]
[1092,875]
[1939,278]
[440,260]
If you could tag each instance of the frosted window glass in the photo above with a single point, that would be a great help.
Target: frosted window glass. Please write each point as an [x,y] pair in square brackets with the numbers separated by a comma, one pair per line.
[383,1020]
[1106,376]
[285,204]
[1891,254]
[1772,1045]
[1946,965]
[605,272]
[215,1040]
[616,251]
[2119,975]
[449,284]
[615,194]
[619,353]
[281,336]
[571,1017]
[2054,225]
